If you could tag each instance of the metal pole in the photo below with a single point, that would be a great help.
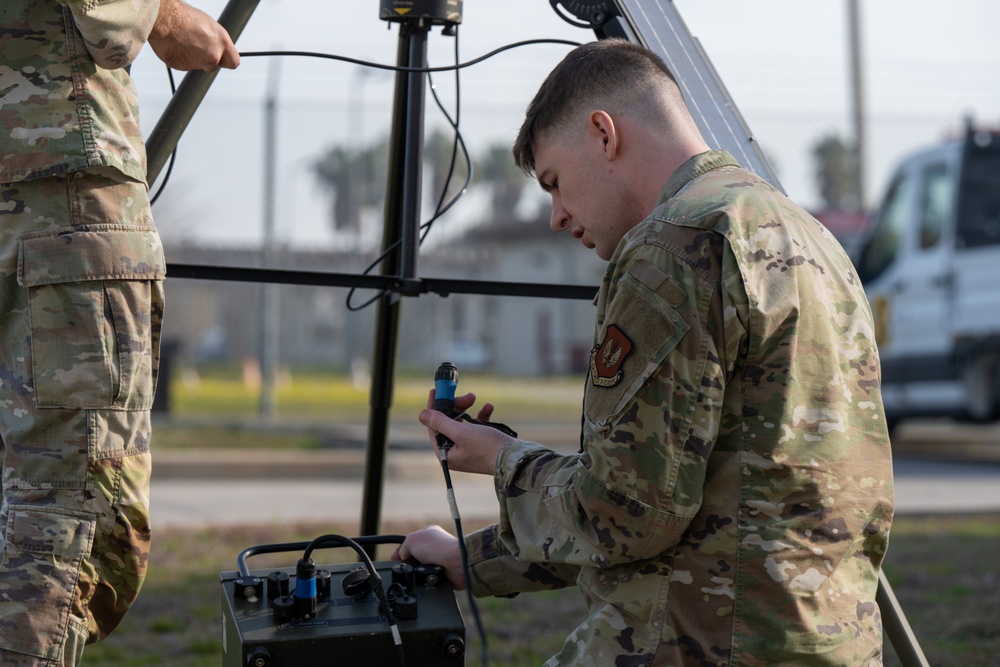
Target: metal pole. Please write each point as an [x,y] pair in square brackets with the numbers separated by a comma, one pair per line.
[857,101]
[407,123]
[175,118]
[901,636]
[415,96]
[268,291]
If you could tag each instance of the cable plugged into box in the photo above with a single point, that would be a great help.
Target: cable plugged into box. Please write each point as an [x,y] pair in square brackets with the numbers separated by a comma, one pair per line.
[309,614]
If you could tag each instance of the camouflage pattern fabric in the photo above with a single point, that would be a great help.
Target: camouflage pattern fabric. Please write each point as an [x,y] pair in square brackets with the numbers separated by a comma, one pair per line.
[81,305]
[80,310]
[66,104]
[733,495]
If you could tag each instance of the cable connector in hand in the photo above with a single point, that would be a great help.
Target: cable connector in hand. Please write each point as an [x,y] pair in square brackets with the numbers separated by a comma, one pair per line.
[445,384]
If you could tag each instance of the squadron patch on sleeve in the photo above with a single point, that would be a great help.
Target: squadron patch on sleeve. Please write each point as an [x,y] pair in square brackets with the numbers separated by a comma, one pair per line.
[607,358]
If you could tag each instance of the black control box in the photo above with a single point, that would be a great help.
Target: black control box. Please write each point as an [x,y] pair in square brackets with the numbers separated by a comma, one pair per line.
[265,624]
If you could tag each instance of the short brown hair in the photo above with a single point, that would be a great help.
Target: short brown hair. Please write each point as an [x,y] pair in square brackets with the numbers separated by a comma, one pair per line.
[613,73]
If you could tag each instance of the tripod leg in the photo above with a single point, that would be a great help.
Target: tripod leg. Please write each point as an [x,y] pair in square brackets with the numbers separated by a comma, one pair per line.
[901,636]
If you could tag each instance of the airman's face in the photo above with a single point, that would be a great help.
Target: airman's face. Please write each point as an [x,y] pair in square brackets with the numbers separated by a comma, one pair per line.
[585,197]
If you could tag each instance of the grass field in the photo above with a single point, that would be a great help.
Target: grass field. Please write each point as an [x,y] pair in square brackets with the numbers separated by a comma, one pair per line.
[317,396]
[943,569]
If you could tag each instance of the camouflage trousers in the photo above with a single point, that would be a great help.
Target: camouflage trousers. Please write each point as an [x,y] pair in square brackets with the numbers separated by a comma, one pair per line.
[80,309]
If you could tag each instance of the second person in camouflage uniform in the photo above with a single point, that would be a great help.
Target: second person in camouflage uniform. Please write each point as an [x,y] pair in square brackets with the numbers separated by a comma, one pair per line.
[81,302]
[732,498]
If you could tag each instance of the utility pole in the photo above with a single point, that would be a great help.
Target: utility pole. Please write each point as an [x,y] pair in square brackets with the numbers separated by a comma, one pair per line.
[857,99]
[268,291]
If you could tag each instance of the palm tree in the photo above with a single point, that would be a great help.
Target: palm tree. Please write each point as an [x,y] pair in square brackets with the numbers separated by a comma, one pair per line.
[355,178]
[835,173]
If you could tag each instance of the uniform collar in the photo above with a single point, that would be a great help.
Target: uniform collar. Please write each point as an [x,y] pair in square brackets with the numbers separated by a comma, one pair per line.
[692,169]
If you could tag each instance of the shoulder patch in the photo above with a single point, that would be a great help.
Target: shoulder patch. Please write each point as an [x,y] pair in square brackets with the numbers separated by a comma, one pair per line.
[607,358]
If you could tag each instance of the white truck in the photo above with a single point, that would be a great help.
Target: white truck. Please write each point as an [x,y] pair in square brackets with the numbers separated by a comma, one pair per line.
[931,269]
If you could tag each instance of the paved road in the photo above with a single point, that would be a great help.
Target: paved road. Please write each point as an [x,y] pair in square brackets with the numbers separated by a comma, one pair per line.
[414,490]
[229,501]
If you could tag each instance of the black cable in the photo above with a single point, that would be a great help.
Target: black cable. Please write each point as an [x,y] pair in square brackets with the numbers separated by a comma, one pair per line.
[340,541]
[464,551]
[373,577]
[398,68]
[284,547]
[173,153]
[438,211]
[425,227]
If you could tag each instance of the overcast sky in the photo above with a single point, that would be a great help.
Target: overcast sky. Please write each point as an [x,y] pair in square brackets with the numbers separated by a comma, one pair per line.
[925,68]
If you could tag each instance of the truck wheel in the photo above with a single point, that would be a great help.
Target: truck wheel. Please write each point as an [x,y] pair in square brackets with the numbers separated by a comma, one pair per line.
[981,380]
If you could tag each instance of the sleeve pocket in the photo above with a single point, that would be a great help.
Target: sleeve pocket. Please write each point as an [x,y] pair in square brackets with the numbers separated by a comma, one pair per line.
[94,328]
[652,327]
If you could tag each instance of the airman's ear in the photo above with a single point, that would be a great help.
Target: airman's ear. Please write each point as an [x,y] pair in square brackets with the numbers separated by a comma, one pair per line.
[602,128]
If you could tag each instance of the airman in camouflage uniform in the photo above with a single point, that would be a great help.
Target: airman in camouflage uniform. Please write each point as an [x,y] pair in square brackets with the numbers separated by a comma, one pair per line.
[81,303]
[731,501]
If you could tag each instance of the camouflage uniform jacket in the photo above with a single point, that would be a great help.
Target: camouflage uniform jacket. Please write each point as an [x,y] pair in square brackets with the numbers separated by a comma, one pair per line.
[66,103]
[732,498]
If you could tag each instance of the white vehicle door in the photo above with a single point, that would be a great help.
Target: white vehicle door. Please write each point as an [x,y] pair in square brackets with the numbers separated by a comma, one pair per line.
[920,294]
[906,269]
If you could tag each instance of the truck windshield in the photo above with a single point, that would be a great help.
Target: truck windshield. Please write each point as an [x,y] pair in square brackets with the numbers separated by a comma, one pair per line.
[890,227]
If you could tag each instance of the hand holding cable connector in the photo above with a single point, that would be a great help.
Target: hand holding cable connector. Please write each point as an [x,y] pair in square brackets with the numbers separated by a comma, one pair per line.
[472,444]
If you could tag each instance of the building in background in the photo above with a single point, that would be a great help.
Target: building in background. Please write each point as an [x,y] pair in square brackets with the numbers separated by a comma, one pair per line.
[525,336]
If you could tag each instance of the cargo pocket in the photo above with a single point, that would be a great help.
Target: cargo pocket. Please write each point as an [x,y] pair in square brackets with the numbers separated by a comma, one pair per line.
[39,575]
[94,308]
[639,331]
